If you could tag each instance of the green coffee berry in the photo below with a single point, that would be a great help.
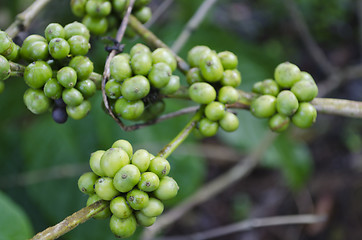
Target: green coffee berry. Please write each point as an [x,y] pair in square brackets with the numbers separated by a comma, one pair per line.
[193,76]
[72,96]
[78,7]
[211,67]
[86,182]
[279,122]
[83,66]
[305,90]
[5,42]
[141,159]
[54,30]
[160,75]
[141,3]
[202,92]
[264,106]
[143,220]
[228,95]
[36,101]
[287,103]
[172,86]
[96,8]
[154,208]
[267,87]
[119,5]
[113,89]
[113,160]
[58,48]
[120,68]
[67,77]
[139,48]
[141,63]
[80,111]
[130,110]
[126,178]
[125,145]
[208,128]
[153,110]
[135,88]
[231,78]
[119,207]
[36,74]
[34,50]
[52,89]
[168,189]
[95,162]
[305,116]
[76,28]
[149,182]
[87,87]
[286,74]
[196,53]
[160,166]
[228,59]
[306,76]
[79,45]
[143,14]
[229,122]
[105,213]
[123,227]
[137,199]
[4,68]
[14,54]
[164,55]
[104,188]
[214,111]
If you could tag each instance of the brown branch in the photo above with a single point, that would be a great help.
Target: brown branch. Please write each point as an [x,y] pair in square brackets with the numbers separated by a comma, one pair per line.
[341,107]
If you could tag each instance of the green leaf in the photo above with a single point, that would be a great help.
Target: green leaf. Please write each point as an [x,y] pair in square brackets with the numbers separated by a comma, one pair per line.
[14,224]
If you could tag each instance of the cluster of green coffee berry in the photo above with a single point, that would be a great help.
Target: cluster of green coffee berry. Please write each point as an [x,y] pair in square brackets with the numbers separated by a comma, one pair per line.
[9,51]
[138,79]
[102,16]
[213,79]
[58,73]
[287,97]
[134,183]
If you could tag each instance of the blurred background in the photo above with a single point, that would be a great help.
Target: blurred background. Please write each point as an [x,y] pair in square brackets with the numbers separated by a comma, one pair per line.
[318,170]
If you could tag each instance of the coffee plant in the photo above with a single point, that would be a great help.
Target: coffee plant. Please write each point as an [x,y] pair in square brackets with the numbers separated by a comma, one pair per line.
[108,81]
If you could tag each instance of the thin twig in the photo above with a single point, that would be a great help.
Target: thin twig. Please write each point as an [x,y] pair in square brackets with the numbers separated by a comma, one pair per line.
[24,18]
[211,189]
[314,50]
[341,107]
[192,25]
[250,224]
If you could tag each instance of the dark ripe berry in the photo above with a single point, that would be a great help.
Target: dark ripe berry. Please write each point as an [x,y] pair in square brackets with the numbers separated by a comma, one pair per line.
[196,53]
[72,97]
[59,48]
[59,115]
[153,110]
[286,74]
[36,101]
[80,111]
[86,182]
[105,213]
[59,103]
[228,95]
[79,45]
[154,208]
[83,66]
[54,30]
[143,220]
[123,227]
[130,110]
[141,63]
[34,47]
[67,77]
[78,7]
[149,182]
[228,59]
[119,5]
[231,78]
[305,90]
[264,106]
[4,68]
[208,128]
[164,55]
[104,188]
[172,86]
[113,89]
[125,145]
[287,103]
[135,88]
[139,48]
[120,67]
[229,122]
[126,178]
[202,92]
[305,116]
[137,199]
[96,25]
[168,189]
[215,111]
[96,8]
[211,67]
[160,166]
[279,122]
[36,74]
[113,160]
[193,76]
[119,207]
[95,162]
[5,42]
[141,159]
[86,87]
[76,28]
[160,75]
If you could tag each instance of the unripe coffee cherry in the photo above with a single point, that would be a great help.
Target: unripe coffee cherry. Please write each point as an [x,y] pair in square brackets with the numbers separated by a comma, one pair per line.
[202,92]
[143,14]
[35,47]
[113,89]
[195,54]
[96,8]
[264,106]
[80,111]
[215,111]
[211,67]
[139,48]
[141,63]
[113,160]
[306,76]
[287,103]
[78,7]
[154,208]
[160,75]
[164,55]
[96,25]
[149,182]
[267,87]
[36,101]
[160,166]
[228,95]
[153,110]
[119,5]
[95,162]
[72,97]
[172,86]
[126,178]
[135,88]
[87,87]
[143,220]
[130,110]
[305,90]
[120,68]
[54,30]
[4,68]
[207,127]
[168,189]
[231,78]
[105,213]
[305,116]
[76,28]
[5,42]
[79,45]
[286,74]
[119,207]
[104,188]
[67,77]
[229,122]
[279,122]
[58,48]
[86,182]
[228,59]
[36,74]
[123,227]
[125,145]
[193,76]
[141,158]
[137,199]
